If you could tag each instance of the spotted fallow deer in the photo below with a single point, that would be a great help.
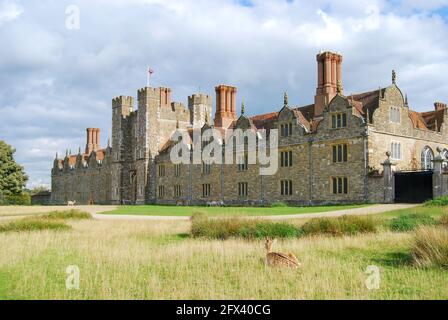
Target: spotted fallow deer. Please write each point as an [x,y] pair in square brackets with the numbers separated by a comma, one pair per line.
[276,259]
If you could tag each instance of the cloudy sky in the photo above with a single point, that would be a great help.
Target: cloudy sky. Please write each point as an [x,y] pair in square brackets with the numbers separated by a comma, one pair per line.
[57,79]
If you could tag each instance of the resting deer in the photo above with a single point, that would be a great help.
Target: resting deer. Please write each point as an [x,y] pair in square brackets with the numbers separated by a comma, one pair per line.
[276,259]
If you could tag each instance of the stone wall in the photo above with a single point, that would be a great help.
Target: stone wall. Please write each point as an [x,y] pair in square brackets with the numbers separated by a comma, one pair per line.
[85,183]
[383,132]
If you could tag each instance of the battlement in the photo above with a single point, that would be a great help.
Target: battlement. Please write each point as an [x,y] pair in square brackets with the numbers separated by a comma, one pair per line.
[122,100]
[177,106]
[145,92]
[199,98]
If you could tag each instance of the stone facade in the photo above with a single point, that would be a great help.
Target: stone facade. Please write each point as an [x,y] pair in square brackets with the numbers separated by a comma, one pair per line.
[337,148]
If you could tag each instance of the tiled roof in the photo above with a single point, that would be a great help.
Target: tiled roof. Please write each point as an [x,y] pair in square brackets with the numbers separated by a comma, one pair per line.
[433,119]
[366,102]
[417,120]
[364,105]
[100,154]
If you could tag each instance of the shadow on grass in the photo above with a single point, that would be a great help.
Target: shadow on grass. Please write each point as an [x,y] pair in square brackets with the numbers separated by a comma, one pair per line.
[394,259]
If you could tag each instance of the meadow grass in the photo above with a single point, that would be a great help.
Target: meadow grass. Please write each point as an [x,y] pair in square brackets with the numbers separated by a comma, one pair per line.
[433,211]
[70,214]
[32,224]
[158,260]
[159,210]
[430,247]
[411,221]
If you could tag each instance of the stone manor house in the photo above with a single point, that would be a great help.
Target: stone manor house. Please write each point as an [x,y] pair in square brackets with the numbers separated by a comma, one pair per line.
[331,151]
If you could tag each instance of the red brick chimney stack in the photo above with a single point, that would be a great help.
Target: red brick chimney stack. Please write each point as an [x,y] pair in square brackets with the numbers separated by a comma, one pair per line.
[439,106]
[93,140]
[329,74]
[225,106]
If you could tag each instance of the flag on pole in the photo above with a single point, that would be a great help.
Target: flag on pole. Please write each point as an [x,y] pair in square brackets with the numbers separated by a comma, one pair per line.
[150,72]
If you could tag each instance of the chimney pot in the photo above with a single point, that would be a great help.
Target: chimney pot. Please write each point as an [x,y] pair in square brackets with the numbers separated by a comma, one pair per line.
[439,106]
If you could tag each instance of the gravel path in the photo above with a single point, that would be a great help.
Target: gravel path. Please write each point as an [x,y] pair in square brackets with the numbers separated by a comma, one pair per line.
[374,209]
[16,212]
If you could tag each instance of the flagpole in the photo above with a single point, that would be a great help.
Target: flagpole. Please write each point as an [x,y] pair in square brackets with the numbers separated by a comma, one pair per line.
[150,72]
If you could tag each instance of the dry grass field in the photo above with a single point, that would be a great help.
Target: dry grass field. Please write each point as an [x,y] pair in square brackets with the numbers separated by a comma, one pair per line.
[159,260]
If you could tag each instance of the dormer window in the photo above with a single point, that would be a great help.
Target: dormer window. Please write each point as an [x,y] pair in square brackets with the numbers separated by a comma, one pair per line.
[394,115]
[286,129]
[338,120]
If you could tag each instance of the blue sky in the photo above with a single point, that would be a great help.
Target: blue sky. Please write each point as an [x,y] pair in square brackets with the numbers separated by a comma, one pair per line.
[55,82]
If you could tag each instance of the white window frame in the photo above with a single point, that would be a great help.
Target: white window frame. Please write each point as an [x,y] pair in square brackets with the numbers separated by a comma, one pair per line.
[286,188]
[177,170]
[394,115]
[161,192]
[286,129]
[243,189]
[396,150]
[286,159]
[425,164]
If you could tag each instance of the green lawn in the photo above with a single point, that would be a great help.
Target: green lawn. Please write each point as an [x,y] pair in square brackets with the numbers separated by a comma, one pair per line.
[434,211]
[155,210]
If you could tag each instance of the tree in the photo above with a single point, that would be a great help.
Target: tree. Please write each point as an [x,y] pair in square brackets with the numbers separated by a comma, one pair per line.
[38,189]
[12,175]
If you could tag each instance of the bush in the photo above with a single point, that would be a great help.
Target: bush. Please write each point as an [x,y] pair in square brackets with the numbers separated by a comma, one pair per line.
[262,229]
[441,201]
[215,228]
[23,199]
[33,224]
[409,222]
[345,225]
[430,247]
[279,204]
[71,214]
[224,228]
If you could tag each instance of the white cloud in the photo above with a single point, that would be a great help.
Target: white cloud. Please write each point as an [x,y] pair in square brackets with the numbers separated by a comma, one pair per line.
[9,11]
[55,82]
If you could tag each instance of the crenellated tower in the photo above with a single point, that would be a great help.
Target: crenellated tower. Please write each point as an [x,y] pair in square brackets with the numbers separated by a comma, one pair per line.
[200,107]
[122,108]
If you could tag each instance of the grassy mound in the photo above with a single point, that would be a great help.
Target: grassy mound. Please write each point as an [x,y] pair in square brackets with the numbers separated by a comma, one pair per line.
[33,224]
[441,201]
[412,221]
[224,228]
[345,225]
[430,247]
[64,215]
